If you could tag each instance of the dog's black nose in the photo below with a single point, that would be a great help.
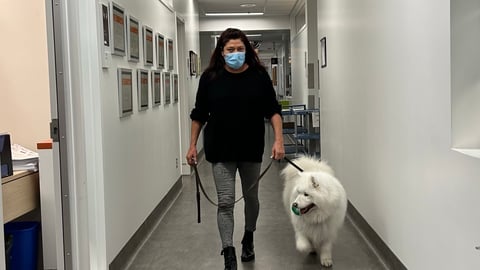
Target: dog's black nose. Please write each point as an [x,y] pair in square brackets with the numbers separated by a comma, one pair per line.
[295,205]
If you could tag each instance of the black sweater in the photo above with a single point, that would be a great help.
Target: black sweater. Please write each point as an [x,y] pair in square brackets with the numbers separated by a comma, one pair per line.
[234,106]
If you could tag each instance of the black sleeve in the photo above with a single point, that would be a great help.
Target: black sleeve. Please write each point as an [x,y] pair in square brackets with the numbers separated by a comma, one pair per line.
[271,103]
[201,112]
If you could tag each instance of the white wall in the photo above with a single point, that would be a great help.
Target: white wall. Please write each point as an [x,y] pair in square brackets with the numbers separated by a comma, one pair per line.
[188,10]
[299,70]
[24,94]
[385,110]
[119,169]
[140,151]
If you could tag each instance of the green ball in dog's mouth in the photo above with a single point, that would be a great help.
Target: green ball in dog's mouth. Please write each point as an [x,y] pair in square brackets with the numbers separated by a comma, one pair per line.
[296,211]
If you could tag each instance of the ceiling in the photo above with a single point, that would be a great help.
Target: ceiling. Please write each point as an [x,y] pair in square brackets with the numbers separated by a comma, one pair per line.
[269,39]
[267,42]
[269,7]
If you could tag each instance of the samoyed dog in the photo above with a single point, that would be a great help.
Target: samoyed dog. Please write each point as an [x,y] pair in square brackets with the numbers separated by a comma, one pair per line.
[316,203]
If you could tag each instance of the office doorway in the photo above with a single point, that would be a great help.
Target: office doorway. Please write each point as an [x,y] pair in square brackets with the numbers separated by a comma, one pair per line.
[55,33]
[26,107]
[184,119]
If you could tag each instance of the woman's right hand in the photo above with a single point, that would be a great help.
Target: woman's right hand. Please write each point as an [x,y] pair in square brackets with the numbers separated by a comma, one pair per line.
[192,156]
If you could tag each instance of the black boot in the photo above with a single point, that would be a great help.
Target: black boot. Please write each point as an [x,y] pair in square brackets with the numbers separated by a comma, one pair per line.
[247,247]
[230,258]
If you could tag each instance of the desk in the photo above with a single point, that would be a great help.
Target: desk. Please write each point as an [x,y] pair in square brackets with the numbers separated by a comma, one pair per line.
[20,193]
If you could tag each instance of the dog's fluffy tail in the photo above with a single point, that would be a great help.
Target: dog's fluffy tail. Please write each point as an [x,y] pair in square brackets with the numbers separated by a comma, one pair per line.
[307,164]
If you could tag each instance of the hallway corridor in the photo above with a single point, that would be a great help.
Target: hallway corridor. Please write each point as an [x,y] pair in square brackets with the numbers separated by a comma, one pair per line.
[180,243]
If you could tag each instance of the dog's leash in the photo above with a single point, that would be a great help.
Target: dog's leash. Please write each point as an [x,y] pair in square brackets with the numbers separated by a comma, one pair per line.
[200,185]
[293,164]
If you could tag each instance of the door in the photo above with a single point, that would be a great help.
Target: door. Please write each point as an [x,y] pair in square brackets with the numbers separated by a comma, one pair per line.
[63,248]
[184,121]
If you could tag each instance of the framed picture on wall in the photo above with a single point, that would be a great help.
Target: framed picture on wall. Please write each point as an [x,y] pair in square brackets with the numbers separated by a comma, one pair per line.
[125,96]
[170,54]
[192,63]
[147,46]
[274,75]
[142,89]
[199,65]
[156,88]
[104,14]
[175,87]
[118,29]
[166,87]
[160,51]
[106,25]
[133,39]
[323,51]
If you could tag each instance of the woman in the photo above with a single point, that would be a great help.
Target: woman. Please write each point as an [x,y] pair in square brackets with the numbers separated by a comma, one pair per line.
[234,96]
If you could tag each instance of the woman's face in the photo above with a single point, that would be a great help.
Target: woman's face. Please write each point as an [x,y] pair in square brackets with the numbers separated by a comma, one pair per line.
[233,45]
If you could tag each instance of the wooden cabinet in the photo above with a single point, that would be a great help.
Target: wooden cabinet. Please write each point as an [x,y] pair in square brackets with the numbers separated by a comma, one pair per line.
[20,193]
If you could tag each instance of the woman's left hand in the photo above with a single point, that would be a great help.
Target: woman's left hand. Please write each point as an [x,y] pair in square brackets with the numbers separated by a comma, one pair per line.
[278,151]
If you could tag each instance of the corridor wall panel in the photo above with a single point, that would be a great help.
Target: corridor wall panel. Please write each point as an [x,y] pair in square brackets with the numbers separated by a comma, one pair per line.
[386,128]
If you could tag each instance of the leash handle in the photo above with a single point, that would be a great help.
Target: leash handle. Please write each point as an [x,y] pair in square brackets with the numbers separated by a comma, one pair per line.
[199,219]
[197,183]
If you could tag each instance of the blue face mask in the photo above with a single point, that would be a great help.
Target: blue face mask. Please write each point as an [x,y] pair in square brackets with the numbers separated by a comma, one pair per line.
[235,60]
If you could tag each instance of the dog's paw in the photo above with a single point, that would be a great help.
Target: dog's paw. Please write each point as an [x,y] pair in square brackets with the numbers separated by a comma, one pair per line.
[304,246]
[326,261]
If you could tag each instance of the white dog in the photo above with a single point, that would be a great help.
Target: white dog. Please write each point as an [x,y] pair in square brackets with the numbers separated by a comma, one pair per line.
[316,203]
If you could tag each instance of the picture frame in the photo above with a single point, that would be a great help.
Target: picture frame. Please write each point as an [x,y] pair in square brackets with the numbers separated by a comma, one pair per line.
[156,88]
[192,63]
[199,65]
[142,89]
[118,29]
[175,87]
[160,40]
[166,87]
[170,54]
[125,91]
[104,29]
[147,46]
[105,10]
[133,39]
[274,75]
[323,51]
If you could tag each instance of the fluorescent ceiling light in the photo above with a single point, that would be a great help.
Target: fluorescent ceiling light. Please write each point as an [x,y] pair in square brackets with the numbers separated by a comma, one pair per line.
[248,5]
[233,13]
[248,35]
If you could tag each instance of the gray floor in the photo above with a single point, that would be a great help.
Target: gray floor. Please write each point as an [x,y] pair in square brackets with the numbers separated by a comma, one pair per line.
[179,242]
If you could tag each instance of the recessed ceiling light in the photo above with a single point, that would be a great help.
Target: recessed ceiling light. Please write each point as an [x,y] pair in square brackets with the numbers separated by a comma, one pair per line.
[248,5]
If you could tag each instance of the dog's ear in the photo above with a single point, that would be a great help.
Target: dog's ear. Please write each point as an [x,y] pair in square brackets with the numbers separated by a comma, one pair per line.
[314,183]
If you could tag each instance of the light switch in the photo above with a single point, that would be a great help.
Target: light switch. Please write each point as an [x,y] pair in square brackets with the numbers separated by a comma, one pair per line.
[106,59]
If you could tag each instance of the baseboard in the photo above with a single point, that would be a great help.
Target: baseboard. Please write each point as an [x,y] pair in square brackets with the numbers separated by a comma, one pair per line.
[386,255]
[128,252]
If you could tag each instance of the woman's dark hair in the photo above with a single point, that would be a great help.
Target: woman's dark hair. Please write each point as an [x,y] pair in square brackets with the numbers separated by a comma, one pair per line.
[217,62]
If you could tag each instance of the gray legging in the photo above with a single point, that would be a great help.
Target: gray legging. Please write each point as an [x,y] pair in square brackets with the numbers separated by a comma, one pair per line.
[224,175]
